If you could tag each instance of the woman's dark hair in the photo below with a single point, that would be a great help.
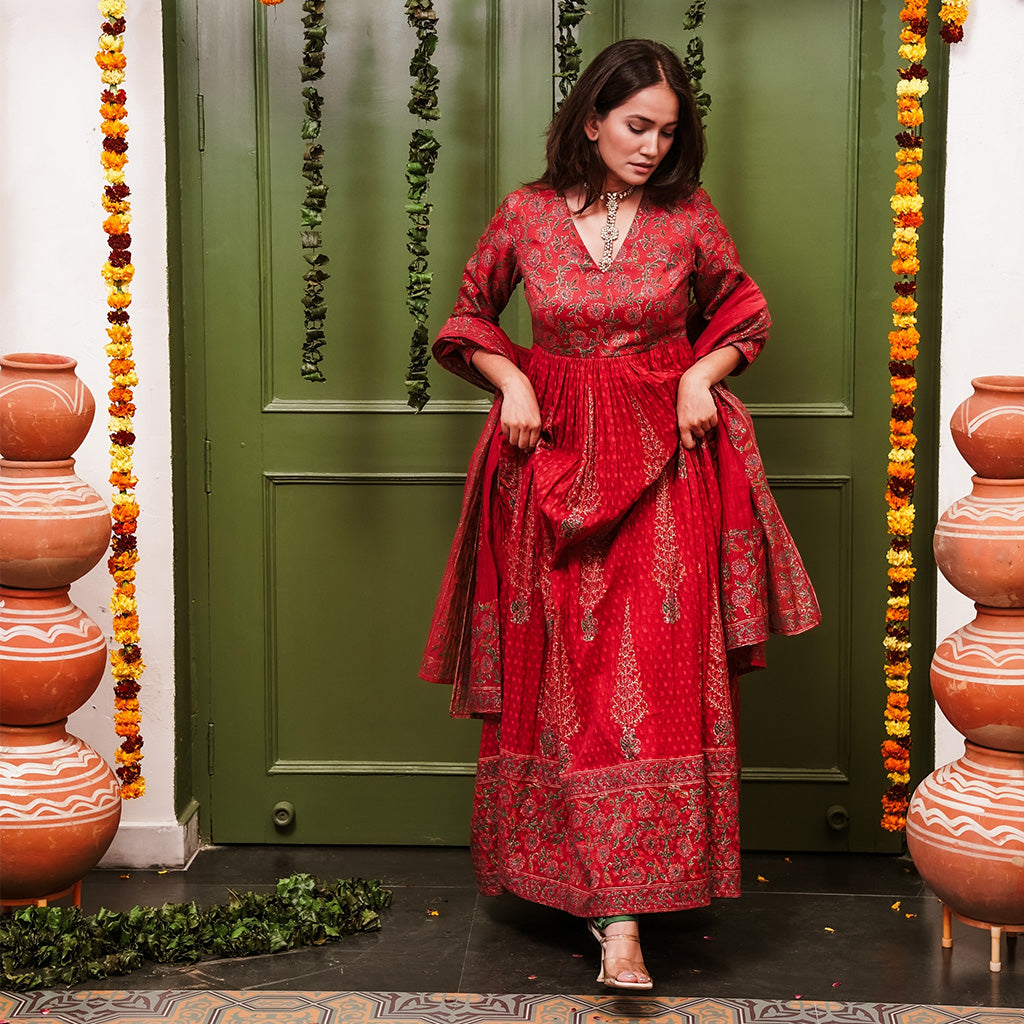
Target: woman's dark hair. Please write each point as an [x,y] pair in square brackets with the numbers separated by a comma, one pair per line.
[615,74]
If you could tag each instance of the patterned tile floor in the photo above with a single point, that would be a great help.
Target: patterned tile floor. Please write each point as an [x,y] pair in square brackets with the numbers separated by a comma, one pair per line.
[838,937]
[253,1007]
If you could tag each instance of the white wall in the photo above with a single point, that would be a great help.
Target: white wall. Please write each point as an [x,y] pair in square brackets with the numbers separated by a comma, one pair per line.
[53,299]
[983,263]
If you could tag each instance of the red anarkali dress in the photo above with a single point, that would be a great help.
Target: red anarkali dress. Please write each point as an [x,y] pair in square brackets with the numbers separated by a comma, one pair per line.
[604,591]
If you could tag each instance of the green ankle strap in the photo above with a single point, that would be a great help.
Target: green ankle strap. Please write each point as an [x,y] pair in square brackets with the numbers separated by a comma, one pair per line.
[603,922]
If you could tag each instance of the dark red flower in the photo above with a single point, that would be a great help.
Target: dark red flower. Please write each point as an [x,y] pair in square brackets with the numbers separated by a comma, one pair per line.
[119,241]
[114,27]
[952,33]
[112,144]
[120,258]
[118,316]
[123,437]
[904,288]
[117,192]
[908,140]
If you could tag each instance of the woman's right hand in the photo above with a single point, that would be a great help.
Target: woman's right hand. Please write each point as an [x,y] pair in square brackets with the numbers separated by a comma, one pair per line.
[520,414]
[520,411]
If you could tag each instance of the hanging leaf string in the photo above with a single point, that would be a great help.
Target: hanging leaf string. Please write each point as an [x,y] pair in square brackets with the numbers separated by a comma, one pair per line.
[314,303]
[423,150]
[567,48]
[693,62]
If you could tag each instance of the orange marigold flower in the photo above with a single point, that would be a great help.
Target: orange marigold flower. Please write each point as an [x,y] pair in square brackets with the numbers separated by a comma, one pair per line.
[110,61]
[113,160]
[911,117]
[907,267]
[905,188]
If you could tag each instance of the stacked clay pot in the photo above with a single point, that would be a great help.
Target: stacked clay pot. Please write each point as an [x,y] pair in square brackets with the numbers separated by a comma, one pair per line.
[59,801]
[965,824]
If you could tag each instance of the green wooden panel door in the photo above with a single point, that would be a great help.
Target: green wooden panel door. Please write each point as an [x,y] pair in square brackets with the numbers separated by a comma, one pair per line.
[330,507]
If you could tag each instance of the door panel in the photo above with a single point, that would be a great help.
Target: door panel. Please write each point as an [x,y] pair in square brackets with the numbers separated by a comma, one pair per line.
[331,507]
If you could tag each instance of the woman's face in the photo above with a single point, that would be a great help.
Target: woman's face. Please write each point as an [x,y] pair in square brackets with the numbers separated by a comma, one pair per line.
[634,137]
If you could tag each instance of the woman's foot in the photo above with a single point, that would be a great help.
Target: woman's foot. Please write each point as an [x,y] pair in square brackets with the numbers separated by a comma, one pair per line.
[622,963]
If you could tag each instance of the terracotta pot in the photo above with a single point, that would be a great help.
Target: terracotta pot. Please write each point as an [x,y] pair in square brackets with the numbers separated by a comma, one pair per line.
[965,832]
[60,806]
[53,526]
[979,543]
[978,678]
[988,427]
[45,410]
[52,656]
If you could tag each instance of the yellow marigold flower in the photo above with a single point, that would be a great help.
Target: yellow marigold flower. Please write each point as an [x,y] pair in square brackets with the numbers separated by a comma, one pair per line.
[114,175]
[126,380]
[112,44]
[900,455]
[913,51]
[112,8]
[898,778]
[904,234]
[904,250]
[904,321]
[897,728]
[915,87]
[901,558]
[907,204]
[119,423]
[120,336]
[115,76]
[902,601]
[899,685]
[910,154]
[115,205]
[127,757]
[901,520]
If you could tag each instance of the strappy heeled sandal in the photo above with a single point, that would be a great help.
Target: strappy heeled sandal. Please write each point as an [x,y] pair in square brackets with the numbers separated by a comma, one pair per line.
[605,974]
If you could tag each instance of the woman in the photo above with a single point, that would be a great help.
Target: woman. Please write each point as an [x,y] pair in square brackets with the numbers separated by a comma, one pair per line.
[619,560]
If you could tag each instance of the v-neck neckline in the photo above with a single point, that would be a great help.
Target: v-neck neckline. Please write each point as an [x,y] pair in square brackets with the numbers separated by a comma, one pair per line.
[596,263]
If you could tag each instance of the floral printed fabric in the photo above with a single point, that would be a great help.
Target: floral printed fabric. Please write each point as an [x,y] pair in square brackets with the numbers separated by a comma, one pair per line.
[582,613]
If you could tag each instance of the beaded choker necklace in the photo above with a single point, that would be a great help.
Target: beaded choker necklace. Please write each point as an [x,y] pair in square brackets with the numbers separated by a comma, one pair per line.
[609,232]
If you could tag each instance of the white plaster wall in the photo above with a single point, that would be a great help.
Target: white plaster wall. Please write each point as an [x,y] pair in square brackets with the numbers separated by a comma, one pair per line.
[983,262]
[52,298]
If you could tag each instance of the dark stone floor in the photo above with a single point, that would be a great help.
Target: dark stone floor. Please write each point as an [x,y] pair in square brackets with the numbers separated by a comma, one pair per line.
[808,925]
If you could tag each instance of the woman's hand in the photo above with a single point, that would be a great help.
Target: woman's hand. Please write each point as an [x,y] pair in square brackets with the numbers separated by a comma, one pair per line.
[695,407]
[520,412]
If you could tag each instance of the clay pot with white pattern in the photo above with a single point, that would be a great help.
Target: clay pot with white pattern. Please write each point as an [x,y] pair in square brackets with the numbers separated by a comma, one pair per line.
[54,527]
[979,543]
[988,427]
[45,410]
[60,806]
[977,677]
[52,656]
[965,832]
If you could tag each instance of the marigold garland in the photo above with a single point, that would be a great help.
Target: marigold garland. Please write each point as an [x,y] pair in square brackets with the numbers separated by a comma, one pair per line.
[126,659]
[423,150]
[907,205]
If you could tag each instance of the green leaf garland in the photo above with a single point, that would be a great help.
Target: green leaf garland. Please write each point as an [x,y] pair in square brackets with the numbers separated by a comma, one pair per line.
[314,304]
[569,51]
[42,947]
[693,62]
[423,150]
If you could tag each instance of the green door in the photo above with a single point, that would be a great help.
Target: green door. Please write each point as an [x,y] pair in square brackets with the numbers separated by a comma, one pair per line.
[321,514]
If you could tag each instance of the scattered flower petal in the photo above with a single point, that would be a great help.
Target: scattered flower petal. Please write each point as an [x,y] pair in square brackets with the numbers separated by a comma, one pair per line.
[895,906]
[908,916]
[531,977]
[433,913]
[761,878]
[836,984]
[831,931]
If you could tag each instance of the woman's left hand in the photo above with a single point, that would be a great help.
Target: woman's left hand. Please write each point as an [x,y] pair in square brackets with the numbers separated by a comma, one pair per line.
[695,408]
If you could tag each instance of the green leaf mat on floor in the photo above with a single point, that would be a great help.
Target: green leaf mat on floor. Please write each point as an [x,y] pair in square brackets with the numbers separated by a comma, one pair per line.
[46,946]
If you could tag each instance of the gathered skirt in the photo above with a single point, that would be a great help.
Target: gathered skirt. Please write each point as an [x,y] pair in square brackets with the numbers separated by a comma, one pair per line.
[608,775]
